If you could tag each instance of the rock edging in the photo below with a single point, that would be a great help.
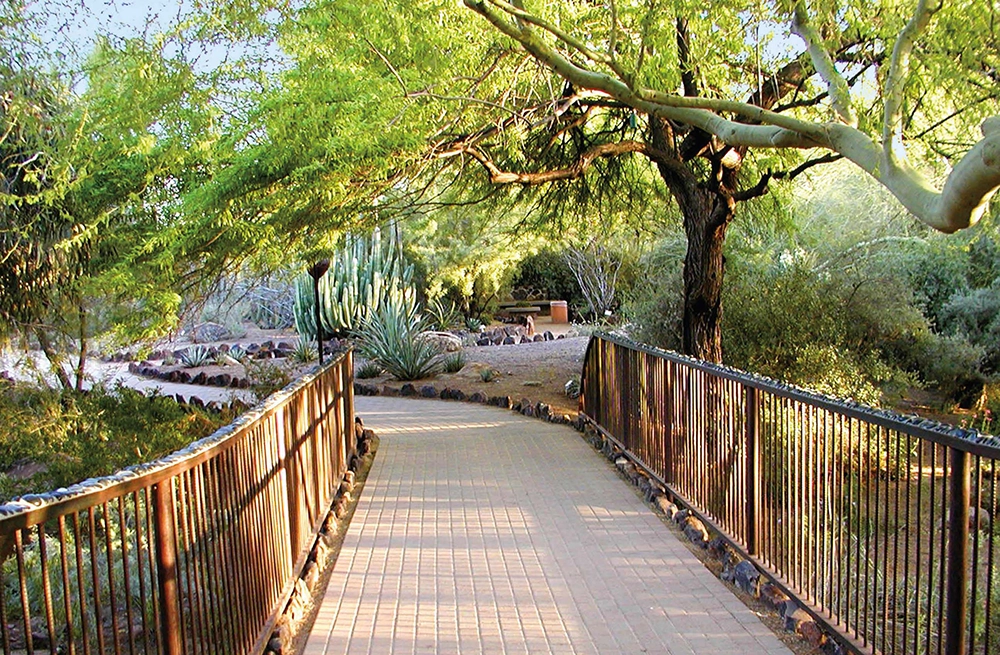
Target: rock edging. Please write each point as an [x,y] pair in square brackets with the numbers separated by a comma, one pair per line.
[291,621]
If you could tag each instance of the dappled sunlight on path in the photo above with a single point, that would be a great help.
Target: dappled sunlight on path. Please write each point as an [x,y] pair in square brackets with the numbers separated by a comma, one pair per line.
[480,531]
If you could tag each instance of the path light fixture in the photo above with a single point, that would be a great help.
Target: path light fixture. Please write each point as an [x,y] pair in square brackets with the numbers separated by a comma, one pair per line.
[316,271]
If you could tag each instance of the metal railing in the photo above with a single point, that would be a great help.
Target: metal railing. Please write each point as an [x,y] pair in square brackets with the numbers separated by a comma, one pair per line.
[883,526]
[194,553]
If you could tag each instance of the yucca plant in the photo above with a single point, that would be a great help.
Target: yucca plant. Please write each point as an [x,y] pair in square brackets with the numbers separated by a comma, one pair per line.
[488,374]
[304,350]
[454,362]
[390,337]
[196,356]
[442,317]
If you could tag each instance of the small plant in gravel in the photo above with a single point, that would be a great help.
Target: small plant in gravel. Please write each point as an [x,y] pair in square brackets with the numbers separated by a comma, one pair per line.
[196,356]
[488,374]
[473,324]
[368,370]
[238,353]
[454,362]
[304,350]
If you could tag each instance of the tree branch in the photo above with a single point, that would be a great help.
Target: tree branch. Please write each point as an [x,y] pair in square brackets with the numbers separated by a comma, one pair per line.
[755,191]
[689,83]
[806,165]
[899,71]
[576,44]
[840,92]
[576,170]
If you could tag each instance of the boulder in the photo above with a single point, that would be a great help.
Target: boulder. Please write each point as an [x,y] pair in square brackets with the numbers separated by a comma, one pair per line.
[210,332]
[445,342]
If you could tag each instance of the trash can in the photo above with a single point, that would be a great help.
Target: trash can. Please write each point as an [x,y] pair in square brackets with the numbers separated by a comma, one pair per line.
[560,312]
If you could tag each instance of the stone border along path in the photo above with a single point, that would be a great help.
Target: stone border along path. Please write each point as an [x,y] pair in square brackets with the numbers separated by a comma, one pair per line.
[483,531]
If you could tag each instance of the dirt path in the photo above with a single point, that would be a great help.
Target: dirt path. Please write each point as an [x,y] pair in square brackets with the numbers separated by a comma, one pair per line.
[537,371]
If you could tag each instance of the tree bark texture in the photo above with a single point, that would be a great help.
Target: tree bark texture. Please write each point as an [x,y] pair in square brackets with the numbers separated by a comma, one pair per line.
[706,218]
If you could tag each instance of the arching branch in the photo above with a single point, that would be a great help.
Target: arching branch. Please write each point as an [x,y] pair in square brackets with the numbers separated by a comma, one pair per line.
[959,204]
[572,172]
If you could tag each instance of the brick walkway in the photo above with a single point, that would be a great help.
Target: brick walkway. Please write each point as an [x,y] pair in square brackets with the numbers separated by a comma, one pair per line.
[480,531]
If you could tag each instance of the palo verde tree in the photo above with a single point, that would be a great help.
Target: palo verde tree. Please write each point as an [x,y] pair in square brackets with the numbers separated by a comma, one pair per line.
[723,100]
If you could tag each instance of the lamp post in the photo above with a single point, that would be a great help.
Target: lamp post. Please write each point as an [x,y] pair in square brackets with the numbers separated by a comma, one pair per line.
[316,271]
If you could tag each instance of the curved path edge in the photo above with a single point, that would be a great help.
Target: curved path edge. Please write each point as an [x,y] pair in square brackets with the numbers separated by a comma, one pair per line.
[483,531]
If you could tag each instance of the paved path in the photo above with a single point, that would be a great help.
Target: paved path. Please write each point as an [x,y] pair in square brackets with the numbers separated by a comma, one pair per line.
[480,531]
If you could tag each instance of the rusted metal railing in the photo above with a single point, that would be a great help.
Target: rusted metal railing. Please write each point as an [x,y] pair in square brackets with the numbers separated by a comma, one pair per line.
[193,553]
[883,526]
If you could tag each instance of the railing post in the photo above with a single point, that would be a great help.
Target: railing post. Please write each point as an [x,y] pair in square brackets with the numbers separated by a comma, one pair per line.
[289,453]
[958,555]
[166,567]
[754,483]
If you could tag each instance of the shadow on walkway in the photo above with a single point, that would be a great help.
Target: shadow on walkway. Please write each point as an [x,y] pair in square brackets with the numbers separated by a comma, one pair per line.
[481,531]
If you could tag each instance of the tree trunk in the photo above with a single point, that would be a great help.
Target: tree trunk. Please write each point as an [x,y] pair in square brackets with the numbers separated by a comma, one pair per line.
[54,357]
[707,214]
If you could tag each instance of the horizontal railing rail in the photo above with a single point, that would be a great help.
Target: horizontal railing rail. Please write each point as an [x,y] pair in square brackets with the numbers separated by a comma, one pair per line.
[196,552]
[882,525]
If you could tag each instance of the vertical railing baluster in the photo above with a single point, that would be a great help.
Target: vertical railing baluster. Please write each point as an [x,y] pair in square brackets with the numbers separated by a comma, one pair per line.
[958,554]
[166,568]
[754,483]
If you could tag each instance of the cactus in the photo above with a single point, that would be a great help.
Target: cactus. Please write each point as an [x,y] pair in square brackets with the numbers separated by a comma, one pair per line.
[362,277]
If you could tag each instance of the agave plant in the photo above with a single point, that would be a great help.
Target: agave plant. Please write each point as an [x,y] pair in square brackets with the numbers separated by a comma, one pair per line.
[390,338]
[196,356]
[238,353]
[473,324]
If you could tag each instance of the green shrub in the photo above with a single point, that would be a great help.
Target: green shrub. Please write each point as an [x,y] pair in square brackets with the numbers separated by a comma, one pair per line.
[454,362]
[488,374]
[390,337]
[75,436]
[265,376]
[304,350]
[547,273]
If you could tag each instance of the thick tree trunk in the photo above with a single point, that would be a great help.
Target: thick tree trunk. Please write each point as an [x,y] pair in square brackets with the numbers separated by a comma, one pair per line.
[707,215]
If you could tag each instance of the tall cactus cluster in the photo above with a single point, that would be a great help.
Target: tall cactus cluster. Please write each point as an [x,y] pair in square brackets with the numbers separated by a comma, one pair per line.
[365,275]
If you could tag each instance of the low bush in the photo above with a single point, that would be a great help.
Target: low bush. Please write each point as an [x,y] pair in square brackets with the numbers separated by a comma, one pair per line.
[368,370]
[71,436]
